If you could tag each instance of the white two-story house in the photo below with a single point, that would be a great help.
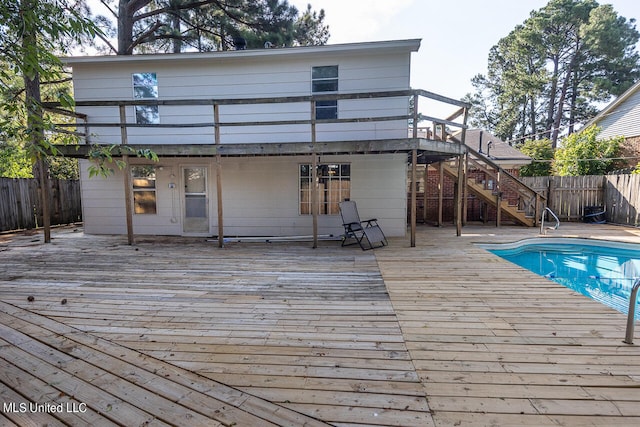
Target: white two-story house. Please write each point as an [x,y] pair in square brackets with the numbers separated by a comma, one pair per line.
[252,142]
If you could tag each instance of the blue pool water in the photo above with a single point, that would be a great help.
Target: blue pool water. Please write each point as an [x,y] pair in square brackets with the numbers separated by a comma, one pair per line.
[603,271]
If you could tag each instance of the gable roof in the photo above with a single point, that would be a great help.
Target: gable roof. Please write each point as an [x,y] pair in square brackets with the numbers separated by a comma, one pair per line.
[621,116]
[499,151]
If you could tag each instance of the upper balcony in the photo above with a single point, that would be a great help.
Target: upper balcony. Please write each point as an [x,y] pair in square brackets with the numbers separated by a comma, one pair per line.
[369,122]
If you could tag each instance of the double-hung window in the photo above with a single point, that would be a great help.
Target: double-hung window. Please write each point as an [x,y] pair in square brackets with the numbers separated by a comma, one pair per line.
[334,185]
[144,189]
[145,86]
[324,79]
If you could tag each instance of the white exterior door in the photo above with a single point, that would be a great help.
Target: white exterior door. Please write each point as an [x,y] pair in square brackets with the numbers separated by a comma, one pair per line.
[196,202]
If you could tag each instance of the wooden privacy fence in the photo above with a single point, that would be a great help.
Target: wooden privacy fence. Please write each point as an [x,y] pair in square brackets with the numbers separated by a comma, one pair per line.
[622,199]
[568,196]
[21,208]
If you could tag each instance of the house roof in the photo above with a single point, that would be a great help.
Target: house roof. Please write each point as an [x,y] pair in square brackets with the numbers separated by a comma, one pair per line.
[614,104]
[409,45]
[498,151]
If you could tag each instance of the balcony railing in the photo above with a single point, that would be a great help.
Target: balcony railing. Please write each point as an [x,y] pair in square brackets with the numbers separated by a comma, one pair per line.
[299,107]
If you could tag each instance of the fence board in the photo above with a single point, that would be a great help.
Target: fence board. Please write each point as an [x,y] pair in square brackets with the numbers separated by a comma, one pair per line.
[20,204]
[623,199]
[567,196]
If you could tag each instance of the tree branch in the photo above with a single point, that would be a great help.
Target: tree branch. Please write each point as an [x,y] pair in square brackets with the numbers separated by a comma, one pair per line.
[145,35]
[107,42]
[196,4]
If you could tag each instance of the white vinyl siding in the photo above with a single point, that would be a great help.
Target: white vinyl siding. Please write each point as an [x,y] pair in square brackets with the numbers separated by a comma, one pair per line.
[268,77]
[624,120]
[260,197]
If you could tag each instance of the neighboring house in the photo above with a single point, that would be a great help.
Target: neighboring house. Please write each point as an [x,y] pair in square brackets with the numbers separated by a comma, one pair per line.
[238,133]
[500,152]
[622,118]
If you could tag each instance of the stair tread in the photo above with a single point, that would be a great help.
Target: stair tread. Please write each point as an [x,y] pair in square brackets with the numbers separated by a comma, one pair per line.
[488,195]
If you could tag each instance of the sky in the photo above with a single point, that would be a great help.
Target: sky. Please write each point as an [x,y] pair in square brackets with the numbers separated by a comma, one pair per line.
[456,34]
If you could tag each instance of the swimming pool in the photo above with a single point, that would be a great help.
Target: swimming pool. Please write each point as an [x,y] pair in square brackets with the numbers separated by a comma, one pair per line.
[603,271]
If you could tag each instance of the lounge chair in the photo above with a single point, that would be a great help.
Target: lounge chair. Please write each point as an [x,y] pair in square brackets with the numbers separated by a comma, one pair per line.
[367,233]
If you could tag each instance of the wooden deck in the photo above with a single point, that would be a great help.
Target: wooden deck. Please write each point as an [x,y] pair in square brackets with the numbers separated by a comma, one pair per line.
[175,331]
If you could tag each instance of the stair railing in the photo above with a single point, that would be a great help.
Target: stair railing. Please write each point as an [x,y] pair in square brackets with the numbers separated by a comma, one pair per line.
[530,200]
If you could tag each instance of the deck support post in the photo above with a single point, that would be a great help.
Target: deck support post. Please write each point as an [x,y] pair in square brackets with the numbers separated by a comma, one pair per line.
[314,177]
[459,195]
[128,189]
[440,191]
[462,174]
[537,209]
[425,198]
[216,121]
[465,194]
[414,176]
[414,172]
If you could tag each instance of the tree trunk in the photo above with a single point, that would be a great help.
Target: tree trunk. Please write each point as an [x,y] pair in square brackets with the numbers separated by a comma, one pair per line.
[574,100]
[177,41]
[560,109]
[563,95]
[532,118]
[33,106]
[125,28]
[126,19]
[552,98]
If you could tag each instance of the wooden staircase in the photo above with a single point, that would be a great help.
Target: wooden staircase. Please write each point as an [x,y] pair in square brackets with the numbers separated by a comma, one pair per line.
[500,189]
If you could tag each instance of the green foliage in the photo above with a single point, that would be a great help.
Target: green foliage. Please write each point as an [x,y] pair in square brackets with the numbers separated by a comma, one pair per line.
[63,168]
[542,154]
[151,26]
[32,34]
[14,162]
[104,157]
[554,69]
[582,153]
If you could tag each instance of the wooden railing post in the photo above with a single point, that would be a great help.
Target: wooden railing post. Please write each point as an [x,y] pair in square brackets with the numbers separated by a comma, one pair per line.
[314,177]
[216,121]
[414,174]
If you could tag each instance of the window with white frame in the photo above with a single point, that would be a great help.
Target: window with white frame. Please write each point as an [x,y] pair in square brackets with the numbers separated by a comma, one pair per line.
[143,179]
[325,79]
[145,86]
[334,186]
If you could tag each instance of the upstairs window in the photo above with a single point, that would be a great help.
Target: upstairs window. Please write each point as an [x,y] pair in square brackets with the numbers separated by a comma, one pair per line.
[144,189]
[325,79]
[145,86]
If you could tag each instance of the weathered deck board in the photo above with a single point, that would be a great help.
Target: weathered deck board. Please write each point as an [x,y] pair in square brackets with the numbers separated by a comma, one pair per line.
[173,329]
[497,345]
[300,334]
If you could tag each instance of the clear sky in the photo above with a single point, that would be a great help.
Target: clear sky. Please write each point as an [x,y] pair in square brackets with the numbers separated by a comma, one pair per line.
[456,34]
